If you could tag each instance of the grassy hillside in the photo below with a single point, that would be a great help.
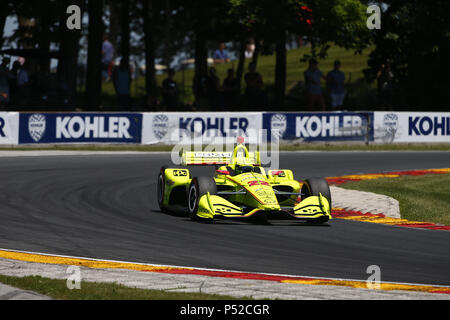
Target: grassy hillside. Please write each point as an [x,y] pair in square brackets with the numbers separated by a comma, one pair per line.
[352,65]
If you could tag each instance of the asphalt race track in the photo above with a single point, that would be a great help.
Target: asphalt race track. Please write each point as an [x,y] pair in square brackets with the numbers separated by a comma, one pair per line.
[105,207]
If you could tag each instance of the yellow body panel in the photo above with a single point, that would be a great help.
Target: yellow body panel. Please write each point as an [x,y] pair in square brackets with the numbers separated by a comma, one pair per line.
[211,205]
[313,207]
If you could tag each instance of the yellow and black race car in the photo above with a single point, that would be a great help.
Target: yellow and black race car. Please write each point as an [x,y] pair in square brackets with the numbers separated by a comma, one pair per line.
[241,188]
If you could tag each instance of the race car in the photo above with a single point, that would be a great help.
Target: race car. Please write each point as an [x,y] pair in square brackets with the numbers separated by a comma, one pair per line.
[240,189]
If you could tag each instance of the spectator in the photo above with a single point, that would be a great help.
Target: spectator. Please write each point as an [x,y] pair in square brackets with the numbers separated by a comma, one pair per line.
[23,84]
[300,42]
[313,87]
[170,90]
[230,89]
[250,49]
[254,96]
[252,78]
[200,88]
[336,86]
[385,78]
[122,83]
[23,77]
[16,66]
[14,72]
[107,58]
[213,88]
[221,54]
[4,82]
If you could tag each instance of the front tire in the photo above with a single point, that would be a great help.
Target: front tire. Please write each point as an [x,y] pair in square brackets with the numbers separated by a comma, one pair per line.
[199,186]
[315,186]
[161,189]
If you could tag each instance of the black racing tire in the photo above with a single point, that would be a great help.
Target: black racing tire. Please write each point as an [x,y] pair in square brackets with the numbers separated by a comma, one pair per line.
[161,188]
[199,186]
[314,186]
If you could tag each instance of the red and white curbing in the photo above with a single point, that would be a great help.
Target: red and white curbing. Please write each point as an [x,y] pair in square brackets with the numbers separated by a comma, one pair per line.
[366,202]
[370,207]
[221,285]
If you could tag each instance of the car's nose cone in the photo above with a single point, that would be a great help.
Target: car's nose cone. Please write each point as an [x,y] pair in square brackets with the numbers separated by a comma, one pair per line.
[272,208]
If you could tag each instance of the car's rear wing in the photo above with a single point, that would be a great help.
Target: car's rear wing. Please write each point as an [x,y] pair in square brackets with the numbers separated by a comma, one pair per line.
[201,158]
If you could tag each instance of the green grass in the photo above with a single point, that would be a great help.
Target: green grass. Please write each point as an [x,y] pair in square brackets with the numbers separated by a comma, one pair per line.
[294,147]
[351,63]
[57,289]
[422,198]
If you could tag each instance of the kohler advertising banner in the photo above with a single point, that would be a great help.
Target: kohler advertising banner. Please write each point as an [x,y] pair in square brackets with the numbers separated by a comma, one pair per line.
[80,128]
[319,126]
[223,127]
[392,127]
[201,127]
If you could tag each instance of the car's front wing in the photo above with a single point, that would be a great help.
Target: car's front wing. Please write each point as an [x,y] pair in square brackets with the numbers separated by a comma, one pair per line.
[310,209]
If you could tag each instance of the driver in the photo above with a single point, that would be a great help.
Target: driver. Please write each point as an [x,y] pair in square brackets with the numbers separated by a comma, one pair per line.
[243,169]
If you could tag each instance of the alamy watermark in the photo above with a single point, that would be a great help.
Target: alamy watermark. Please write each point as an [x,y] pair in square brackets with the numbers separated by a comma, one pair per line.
[74,279]
[374,280]
[73,22]
[374,20]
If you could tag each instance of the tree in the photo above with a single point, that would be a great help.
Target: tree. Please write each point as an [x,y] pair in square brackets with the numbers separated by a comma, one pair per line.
[150,75]
[415,37]
[44,35]
[94,64]
[68,50]
[212,23]
[114,9]
[167,55]
[125,28]
[322,21]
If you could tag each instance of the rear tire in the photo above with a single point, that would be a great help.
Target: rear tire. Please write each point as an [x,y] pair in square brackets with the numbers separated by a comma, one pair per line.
[199,186]
[315,186]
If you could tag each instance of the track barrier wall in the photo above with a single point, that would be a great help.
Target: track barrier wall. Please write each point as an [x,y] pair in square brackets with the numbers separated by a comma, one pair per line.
[320,126]
[208,127]
[406,127]
[9,128]
[178,127]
